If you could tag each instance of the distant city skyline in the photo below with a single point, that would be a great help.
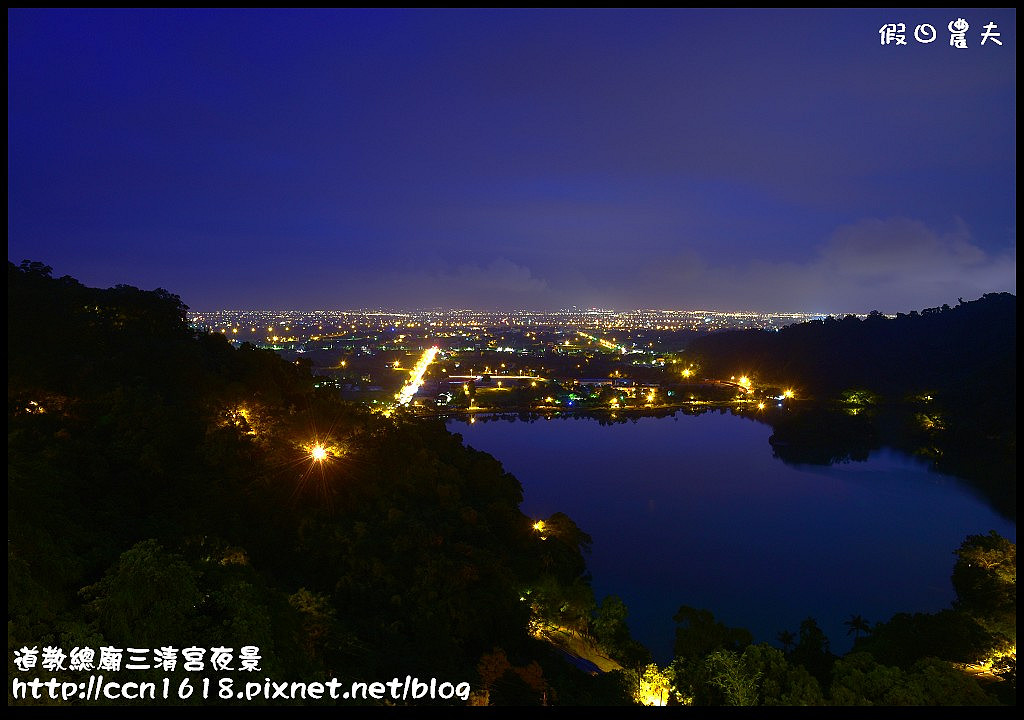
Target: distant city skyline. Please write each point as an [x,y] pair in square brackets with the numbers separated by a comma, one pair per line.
[271,327]
[498,311]
[767,160]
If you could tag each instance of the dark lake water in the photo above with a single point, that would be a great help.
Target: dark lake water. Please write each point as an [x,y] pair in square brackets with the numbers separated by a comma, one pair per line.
[695,510]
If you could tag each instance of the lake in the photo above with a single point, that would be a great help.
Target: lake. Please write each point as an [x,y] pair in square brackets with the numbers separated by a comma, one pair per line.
[695,510]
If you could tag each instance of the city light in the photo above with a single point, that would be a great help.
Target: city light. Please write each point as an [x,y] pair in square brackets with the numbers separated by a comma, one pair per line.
[599,345]
[602,342]
[405,395]
[318,452]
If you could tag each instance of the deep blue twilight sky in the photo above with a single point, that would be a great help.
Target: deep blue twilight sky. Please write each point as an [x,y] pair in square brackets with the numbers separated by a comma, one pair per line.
[770,160]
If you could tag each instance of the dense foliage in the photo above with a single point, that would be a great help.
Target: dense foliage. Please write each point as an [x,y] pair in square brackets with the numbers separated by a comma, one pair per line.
[161,491]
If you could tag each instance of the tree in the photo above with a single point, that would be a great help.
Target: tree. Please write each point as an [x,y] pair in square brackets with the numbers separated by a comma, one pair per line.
[147,598]
[736,682]
[698,634]
[859,680]
[787,640]
[610,628]
[985,580]
[812,637]
[318,619]
[950,635]
[654,686]
[779,682]
[34,269]
[812,650]
[505,684]
[857,625]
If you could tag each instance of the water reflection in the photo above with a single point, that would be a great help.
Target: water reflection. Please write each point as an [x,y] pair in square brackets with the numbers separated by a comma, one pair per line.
[697,509]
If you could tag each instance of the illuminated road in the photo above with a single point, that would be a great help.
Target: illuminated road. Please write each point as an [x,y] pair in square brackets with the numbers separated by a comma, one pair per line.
[604,343]
[495,378]
[406,394]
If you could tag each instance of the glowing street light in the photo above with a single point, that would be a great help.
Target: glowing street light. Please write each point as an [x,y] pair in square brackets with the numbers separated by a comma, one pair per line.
[318,452]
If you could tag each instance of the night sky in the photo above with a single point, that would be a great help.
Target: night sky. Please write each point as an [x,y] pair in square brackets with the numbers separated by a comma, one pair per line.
[732,160]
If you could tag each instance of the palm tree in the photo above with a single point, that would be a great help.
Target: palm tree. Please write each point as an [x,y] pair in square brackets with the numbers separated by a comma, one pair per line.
[857,625]
[787,639]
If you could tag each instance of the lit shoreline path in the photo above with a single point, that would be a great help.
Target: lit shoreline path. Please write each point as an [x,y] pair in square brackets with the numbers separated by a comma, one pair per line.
[406,394]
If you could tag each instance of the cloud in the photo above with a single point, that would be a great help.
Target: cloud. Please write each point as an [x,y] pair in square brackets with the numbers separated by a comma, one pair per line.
[499,284]
[903,264]
[502,276]
[899,248]
[892,265]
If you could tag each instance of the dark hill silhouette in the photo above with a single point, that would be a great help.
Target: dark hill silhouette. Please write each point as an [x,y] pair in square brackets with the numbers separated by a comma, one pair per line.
[964,351]
[161,491]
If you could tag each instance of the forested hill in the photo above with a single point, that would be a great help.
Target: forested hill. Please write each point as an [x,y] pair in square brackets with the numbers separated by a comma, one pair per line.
[964,351]
[940,384]
[162,491]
